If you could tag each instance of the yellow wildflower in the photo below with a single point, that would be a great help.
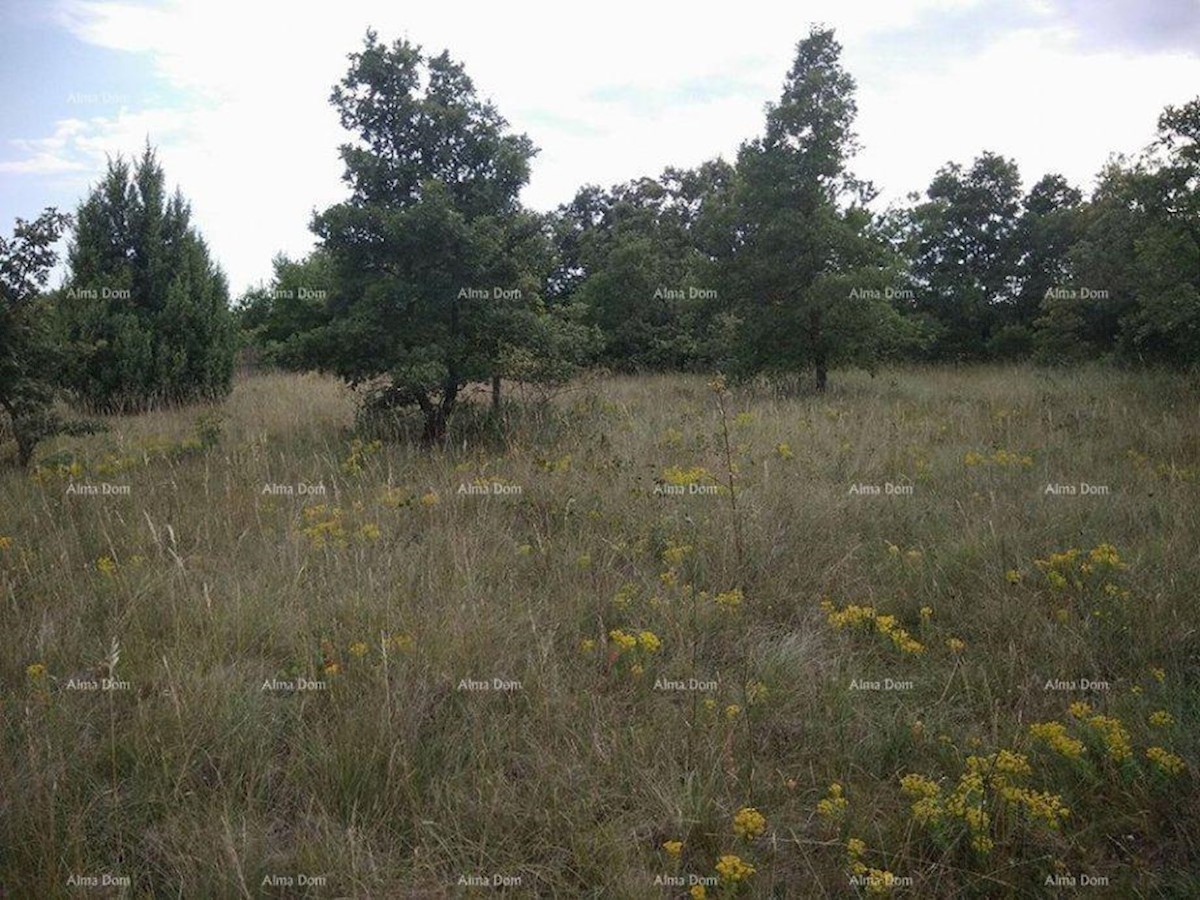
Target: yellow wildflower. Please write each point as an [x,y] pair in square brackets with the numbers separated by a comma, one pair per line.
[1013,576]
[587,645]
[106,566]
[5,542]
[1114,735]
[732,711]
[430,498]
[649,641]
[927,794]
[675,475]
[926,613]
[1079,709]
[732,869]
[1161,719]
[35,670]
[698,892]
[879,881]
[955,645]
[749,823]
[1106,555]
[673,848]
[1166,761]
[359,649]
[1159,675]
[729,600]
[833,806]
[623,640]
[637,670]
[675,554]
[1056,737]
[783,451]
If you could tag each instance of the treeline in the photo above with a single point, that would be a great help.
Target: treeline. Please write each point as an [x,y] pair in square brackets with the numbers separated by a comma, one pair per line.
[431,275]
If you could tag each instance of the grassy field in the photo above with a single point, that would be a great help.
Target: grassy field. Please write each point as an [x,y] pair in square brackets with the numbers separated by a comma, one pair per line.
[540,658]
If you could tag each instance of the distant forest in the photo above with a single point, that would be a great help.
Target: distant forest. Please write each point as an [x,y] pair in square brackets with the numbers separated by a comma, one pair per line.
[432,275]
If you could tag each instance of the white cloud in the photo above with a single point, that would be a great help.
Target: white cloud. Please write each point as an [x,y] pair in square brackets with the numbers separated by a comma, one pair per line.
[254,142]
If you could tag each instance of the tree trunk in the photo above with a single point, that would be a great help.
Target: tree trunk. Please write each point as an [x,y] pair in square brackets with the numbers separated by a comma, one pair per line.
[822,377]
[22,434]
[495,393]
[435,426]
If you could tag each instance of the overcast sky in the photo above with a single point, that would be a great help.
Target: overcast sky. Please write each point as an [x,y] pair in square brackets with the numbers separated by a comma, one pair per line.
[234,93]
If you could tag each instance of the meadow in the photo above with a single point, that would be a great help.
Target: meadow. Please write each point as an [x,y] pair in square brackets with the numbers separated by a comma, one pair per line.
[655,637]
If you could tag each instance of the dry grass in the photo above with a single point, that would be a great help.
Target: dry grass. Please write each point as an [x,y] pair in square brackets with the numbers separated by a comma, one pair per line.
[396,780]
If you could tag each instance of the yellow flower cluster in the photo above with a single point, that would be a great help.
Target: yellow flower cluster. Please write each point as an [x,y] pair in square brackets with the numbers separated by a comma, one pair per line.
[358,649]
[5,542]
[999,458]
[674,554]
[1054,734]
[1072,568]
[1161,719]
[325,526]
[733,869]
[106,566]
[854,616]
[749,823]
[987,781]
[729,600]
[35,670]
[625,642]
[784,451]
[833,806]
[673,848]
[683,477]
[624,595]
[1114,736]
[359,453]
[877,881]
[1165,760]
[927,795]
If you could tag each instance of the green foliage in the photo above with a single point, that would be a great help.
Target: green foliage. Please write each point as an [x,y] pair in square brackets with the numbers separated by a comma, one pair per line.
[280,319]
[436,271]
[810,276]
[145,313]
[29,356]
[639,258]
[1136,265]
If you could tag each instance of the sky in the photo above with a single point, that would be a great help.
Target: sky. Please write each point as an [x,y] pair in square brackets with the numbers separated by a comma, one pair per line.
[235,93]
